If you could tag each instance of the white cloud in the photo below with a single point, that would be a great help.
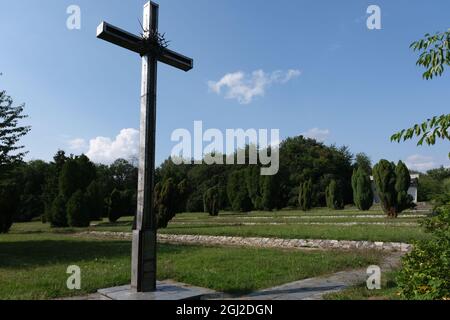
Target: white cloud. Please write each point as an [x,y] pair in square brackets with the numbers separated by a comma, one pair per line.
[244,87]
[77,144]
[420,163]
[106,150]
[318,134]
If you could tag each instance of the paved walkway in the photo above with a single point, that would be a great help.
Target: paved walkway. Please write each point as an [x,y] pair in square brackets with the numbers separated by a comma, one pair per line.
[316,288]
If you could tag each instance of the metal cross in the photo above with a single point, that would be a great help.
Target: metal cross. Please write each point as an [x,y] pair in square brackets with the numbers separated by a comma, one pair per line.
[143,274]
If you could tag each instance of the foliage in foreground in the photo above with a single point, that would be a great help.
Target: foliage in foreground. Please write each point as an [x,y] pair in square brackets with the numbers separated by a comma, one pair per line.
[426,270]
[434,57]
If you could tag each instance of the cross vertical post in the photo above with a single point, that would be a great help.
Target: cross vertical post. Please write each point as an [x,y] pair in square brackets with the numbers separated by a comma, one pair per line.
[143,274]
[143,264]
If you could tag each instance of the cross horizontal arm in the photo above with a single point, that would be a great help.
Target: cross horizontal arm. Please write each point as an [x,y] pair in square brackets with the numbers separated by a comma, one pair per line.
[176,60]
[124,39]
[117,36]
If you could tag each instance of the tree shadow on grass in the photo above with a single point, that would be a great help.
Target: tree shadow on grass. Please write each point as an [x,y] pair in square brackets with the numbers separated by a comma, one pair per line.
[26,254]
[35,253]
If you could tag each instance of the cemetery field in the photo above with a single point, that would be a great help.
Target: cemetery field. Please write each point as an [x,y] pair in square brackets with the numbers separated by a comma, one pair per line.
[34,257]
[33,265]
[349,224]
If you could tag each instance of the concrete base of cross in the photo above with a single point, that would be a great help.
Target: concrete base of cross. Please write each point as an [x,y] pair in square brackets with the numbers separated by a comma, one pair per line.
[166,291]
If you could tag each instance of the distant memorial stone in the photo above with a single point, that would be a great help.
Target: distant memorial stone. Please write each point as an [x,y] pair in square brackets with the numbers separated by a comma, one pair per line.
[152,47]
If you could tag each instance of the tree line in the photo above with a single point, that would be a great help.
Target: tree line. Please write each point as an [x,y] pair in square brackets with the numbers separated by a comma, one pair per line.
[73,191]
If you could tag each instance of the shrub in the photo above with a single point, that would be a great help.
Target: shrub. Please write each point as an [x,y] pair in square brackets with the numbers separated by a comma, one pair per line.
[77,211]
[211,201]
[58,214]
[334,197]
[362,189]
[305,195]
[165,199]
[426,270]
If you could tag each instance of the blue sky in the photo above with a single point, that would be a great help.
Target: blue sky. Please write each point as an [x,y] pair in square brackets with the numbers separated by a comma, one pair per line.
[356,87]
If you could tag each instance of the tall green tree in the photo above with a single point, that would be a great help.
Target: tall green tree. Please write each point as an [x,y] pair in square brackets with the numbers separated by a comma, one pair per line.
[402,184]
[305,195]
[51,185]
[58,213]
[31,177]
[95,200]
[270,193]
[118,204]
[334,197]
[362,189]
[392,183]
[165,198]
[363,161]
[124,174]
[238,193]
[76,174]
[254,186]
[77,211]
[384,177]
[211,201]
[11,131]
[11,154]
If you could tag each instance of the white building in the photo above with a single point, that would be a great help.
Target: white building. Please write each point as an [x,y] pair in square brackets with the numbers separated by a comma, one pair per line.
[411,191]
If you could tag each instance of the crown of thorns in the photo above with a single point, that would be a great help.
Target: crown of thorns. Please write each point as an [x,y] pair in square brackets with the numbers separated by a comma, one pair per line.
[152,41]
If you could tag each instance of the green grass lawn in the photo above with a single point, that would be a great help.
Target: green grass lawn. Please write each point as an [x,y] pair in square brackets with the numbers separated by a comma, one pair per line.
[358,232]
[291,225]
[33,265]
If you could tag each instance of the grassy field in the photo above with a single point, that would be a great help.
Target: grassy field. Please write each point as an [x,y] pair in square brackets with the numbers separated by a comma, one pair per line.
[33,265]
[348,224]
[34,258]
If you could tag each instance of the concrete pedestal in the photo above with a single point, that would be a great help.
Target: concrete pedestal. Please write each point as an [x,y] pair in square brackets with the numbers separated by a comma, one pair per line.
[166,291]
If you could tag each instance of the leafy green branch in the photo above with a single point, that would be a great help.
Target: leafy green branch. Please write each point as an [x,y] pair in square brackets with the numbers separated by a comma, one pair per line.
[435,57]
[429,131]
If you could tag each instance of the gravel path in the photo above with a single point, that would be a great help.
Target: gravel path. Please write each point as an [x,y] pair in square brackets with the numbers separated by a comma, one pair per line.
[262,242]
